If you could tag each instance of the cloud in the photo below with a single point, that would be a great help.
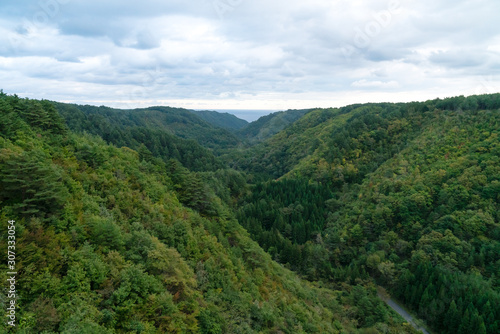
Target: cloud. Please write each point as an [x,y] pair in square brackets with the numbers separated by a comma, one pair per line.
[254,52]
[460,59]
[375,84]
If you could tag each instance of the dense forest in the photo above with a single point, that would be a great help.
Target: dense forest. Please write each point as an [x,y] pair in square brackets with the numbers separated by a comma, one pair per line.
[408,195]
[114,240]
[222,120]
[269,125]
[156,220]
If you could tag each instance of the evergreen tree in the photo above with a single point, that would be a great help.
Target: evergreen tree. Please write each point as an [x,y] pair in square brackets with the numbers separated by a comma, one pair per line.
[452,319]
[30,184]
[465,323]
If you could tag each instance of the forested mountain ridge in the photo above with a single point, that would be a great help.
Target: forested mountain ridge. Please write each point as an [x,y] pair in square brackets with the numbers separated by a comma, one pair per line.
[158,131]
[178,121]
[222,120]
[278,154]
[147,237]
[269,125]
[405,193]
[112,240]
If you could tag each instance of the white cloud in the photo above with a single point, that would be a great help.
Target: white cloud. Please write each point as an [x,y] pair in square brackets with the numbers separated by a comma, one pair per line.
[285,54]
[363,83]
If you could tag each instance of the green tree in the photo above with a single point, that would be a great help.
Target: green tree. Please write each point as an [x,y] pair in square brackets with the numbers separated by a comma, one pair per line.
[30,183]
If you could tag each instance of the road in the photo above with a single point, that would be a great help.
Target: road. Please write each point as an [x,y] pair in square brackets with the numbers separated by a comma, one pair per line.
[382,294]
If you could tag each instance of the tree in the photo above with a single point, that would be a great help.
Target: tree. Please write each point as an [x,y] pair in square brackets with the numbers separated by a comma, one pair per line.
[452,319]
[465,323]
[30,183]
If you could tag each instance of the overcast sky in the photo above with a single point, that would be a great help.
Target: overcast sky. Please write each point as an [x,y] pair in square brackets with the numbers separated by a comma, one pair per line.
[248,54]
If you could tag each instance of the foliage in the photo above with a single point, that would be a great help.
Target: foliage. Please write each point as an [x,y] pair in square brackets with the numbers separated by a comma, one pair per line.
[146,238]
[269,125]
[411,186]
[222,120]
[111,241]
[165,133]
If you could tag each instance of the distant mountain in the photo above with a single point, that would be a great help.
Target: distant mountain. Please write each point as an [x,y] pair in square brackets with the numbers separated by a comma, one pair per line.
[163,132]
[116,242]
[407,193]
[180,122]
[269,125]
[223,120]
[154,233]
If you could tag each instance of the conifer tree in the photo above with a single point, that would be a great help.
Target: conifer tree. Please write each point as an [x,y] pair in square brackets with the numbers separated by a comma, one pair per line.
[30,184]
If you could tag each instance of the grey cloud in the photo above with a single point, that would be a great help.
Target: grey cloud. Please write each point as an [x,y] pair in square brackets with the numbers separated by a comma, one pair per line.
[86,27]
[459,58]
[190,50]
[146,40]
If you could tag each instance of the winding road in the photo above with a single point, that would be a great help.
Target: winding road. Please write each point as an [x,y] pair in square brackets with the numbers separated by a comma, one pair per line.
[382,294]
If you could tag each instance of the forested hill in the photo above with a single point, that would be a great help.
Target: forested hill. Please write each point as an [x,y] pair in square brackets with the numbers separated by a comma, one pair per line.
[278,154]
[223,120]
[177,121]
[163,132]
[131,222]
[112,240]
[407,194]
[269,125]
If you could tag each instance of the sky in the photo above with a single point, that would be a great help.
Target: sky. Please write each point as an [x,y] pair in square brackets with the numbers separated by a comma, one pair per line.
[248,54]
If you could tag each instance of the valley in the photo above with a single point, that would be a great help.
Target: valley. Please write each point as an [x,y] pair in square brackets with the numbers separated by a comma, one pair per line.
[169,220]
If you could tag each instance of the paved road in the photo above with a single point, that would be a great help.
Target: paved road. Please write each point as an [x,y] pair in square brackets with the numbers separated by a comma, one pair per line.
[396,307]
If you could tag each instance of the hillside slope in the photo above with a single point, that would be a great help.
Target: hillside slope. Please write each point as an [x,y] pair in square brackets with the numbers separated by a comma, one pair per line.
[278,154]
[406,193]
[267,126]
[166,133]
[223,120]
[180,122]
[109,242]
